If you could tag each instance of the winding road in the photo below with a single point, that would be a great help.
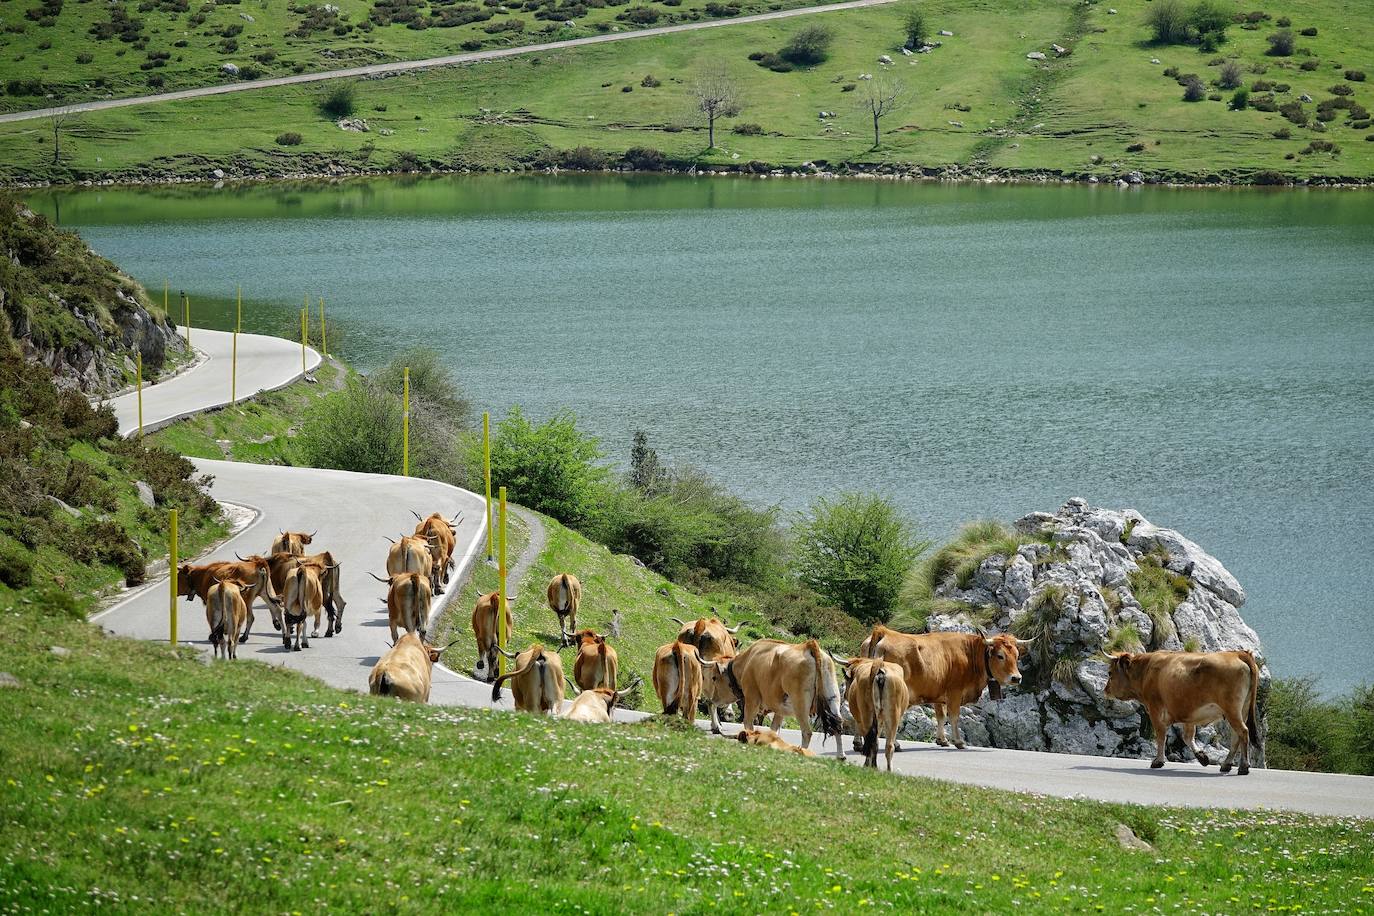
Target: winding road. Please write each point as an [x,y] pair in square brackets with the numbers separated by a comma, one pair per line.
[354,511]
[405,66]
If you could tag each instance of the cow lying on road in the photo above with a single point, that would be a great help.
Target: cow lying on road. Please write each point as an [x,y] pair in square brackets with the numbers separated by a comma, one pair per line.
[405,670]
[595,705]
[762,737]
[536,682]
[1192,688]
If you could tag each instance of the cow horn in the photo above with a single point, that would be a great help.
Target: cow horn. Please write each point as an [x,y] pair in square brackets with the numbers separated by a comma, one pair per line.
[379,578]
[679,621]
[241,559]
[842,661]
[384,537]
[416,514]
[735,630]
[335,566]
[313,533]
[622,694]
[1023,644]
[450,645]
[510,655]
[574,687]
[391,645]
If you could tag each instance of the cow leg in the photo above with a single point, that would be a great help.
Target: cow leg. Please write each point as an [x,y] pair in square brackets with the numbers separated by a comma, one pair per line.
[1190,739]
[954,725]
[715,718]
[1161,728]
[329,621]
[940,725]
[394,634]
[777,721]
[1240,746]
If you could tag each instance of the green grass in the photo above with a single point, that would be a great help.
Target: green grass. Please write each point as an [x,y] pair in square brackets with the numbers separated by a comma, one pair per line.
[1078,116]
[646,600]
[114,67]
[258,430]
[219,787]
[1160,591]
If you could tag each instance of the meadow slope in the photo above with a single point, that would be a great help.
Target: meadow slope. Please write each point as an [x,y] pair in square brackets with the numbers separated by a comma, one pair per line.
[976,103]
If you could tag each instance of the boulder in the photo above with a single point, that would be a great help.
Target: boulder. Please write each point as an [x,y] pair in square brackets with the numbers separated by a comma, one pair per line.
[230,69]
[1036,55]
[884,59]
[945,33]
[145,494]
[1073,580]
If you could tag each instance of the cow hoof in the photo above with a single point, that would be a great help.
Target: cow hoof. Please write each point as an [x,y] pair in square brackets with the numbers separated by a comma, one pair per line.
[1244,770]
[1226,767]
[958,744]
[940,741]
[243,638]
[305,644]
[315,633]
[1156,764]
[276,625]
[1204,760]
[327,633]
[296,649]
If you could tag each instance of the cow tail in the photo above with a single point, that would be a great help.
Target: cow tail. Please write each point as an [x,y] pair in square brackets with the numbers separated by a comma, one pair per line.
[1251,716]
[217,614]
[871,735]
[827,690]
[671,707]
[564,593]
[871,644]
[385,684]
[496,684]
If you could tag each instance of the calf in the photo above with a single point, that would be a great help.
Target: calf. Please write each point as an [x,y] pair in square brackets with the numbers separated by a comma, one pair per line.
[677,679]
[405,670]
[225,611]
[484,628]
[536,682]
[1192,688]
[762,737]
[877,696]
[596,664]
[303,597]
[716,688]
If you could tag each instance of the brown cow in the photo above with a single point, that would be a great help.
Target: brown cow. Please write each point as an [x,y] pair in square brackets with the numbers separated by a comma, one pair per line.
[762,737]
[789,680]
[949,670]
[407,602]
[709,635]
[292,542]
[596,664]
[564,595]
[303,596]
[536,682]
[225,611]
[410,554]
[252,574]
[716,689]
[677,679]
[595,705]
[328,571]
[1192,689]
[441,533]
[405,670]
[484,627]
[877,696]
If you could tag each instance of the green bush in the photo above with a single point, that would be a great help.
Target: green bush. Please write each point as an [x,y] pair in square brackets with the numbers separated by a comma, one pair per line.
[802,613]
[290,138]
[16,564]
[551,467]
[356,429]
[339,101]
[809,46]
[914,26]
[1231,75]
[1281,44]
[1306,732]
[855,551]
[1168,21]
[1240,100]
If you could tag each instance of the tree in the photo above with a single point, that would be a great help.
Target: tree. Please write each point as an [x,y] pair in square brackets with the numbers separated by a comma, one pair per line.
[1281,44]
[58,121]
[1231,75]
[881,96]
[647,473]
[855,551]
[551,467]
[914,24]
[1168,19]
[809,46]
[717,96]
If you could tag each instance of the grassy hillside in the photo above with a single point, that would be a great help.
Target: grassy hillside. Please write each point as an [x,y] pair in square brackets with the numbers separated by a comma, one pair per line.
[212,788]
[975,102]
[77,51]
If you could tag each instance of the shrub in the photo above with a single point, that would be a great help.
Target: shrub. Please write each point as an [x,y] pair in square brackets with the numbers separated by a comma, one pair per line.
[1281,44]
[551,467]
[1209,19]
[1309,32]
[1294,112]
[1305,732]
[339,101]
[356,429]
[1283,22]
[1230,76]
[85,57]
[1283,133]
[855,552]
[809,46]
[1136,148]
[583,157]
[802,613]
[1262,86]
[1194,90]
[16,564]
[650,82]
[1355,76]
[1171,72]
[1268,177]
[747,129]
[1341,89]
[1240,100]
[640,15]
[1168,21]
[644,159]
[1309,65]
[156,81]
[914,25]
[289,138]
[1320,146]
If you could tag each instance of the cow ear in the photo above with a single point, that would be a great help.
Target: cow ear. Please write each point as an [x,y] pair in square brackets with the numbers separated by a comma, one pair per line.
[1123,660]
[434,654]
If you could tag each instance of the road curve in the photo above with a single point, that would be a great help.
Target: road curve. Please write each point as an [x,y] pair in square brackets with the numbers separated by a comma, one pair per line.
[354,511]
[403,66]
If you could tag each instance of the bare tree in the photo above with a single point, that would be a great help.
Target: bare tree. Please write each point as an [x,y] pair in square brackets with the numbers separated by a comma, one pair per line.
[58,122]
[881,96]
[717,96]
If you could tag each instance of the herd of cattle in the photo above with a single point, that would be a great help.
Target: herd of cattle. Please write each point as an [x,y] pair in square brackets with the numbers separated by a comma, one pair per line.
[704,664]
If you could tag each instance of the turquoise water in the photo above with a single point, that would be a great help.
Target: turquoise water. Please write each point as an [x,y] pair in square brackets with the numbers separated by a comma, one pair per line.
[1204,356]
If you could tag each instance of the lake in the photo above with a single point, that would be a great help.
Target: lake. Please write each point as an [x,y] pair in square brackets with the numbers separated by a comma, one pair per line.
[1206,357]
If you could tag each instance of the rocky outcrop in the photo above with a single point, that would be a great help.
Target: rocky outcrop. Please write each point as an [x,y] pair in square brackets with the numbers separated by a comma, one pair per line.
[1087,581]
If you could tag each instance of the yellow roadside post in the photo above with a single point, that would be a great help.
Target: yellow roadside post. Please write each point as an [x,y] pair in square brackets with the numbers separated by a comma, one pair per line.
[238,317]
[502,635]
[186,314]
[166,286]
[303,332]
[172,562]
[405,423]
[324,334]
[234,359]
[140,394]
[486,461]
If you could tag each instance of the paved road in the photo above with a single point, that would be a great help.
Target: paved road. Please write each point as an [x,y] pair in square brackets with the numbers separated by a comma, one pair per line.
[354,511]
[403,66]
[264,364]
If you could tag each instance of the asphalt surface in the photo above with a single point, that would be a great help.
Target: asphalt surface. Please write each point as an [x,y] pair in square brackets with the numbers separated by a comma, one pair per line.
[353,512]
[402,66]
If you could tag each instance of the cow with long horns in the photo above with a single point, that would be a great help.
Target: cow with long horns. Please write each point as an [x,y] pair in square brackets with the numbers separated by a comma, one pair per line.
[292,542]
[303,597]
[710,636]
[252,575]
[327,568]
[407,602]
[405,671]
[441,535]
[595,705]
